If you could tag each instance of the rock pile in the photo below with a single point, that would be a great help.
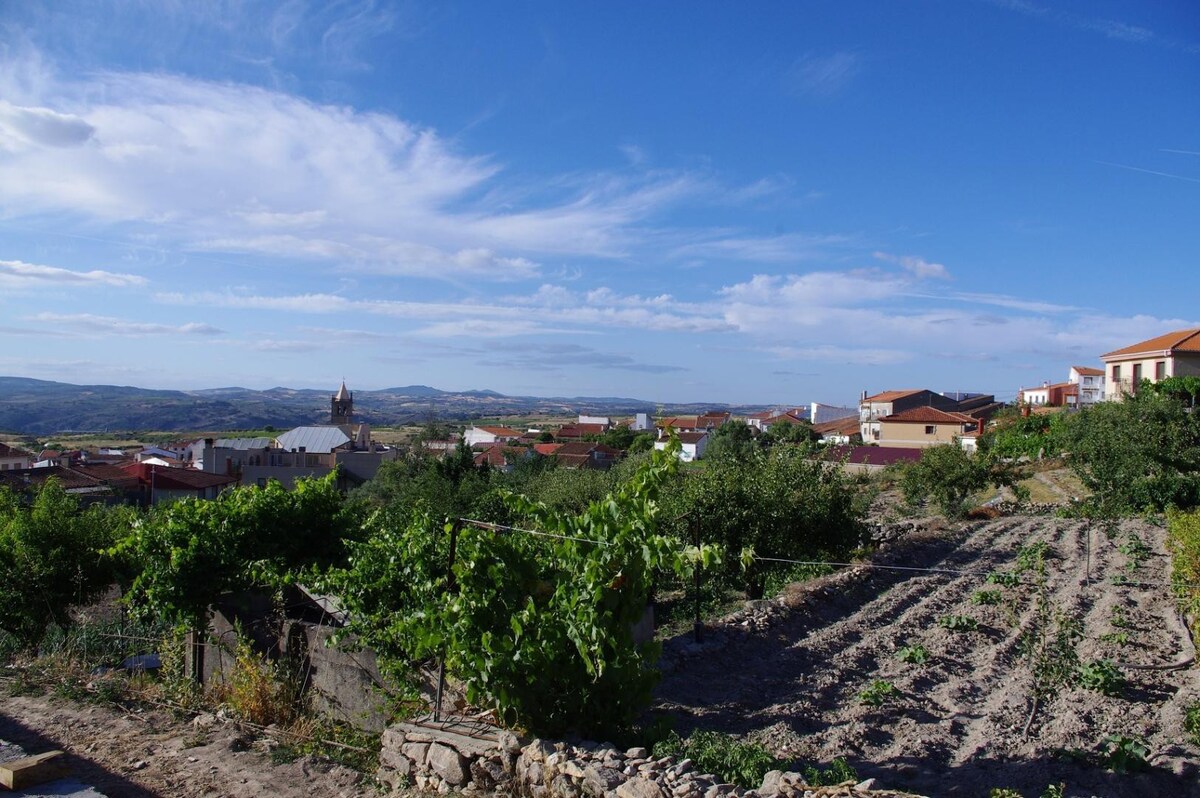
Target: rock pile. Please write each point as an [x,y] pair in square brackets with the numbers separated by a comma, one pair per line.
[476,760]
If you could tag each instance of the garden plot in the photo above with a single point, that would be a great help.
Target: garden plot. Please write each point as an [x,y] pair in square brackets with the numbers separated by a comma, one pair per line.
[946,684]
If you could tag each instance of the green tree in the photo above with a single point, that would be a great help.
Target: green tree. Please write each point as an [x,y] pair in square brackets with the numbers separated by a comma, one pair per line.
[948,476]
[1012,435]
[733,440]
[51,558]
[784,432]
[778,504]
[1142,453]
[642,442]
[448,487]
[618,437]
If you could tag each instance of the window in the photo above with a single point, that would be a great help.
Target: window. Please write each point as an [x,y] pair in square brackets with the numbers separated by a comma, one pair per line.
[1160,370]
[1137,374]
[930,429]
[1116,374]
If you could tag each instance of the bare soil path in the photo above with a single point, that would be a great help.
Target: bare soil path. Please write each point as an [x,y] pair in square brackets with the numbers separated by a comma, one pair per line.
[957,725]
[152,754]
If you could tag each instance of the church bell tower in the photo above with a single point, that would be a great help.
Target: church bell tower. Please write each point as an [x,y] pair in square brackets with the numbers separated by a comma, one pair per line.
[341,406]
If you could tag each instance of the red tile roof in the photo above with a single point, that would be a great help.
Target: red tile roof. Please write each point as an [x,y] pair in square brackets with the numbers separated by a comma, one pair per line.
[547,449]
[1178,341]
[691,437]
[1088,371]
[928,415]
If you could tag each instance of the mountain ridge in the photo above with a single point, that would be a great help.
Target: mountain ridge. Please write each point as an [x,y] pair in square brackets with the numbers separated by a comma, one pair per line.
[30,406]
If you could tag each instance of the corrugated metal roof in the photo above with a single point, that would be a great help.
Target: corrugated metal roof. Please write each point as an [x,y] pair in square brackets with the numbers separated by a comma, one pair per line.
[319,440]
[242,444]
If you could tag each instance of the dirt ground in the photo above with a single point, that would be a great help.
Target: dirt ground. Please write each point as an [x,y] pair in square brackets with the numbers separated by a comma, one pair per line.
[957,725]
[151,754]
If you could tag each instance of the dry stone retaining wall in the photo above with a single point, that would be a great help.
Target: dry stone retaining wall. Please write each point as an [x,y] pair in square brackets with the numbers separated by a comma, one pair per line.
[475,759]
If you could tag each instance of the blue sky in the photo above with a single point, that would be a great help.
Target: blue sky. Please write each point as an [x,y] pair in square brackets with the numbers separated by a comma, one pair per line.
[770,203]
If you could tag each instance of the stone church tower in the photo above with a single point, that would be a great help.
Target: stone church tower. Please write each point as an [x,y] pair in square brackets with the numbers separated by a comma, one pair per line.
[341,406]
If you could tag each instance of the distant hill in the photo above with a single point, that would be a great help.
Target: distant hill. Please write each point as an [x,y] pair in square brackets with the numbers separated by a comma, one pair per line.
[42,407]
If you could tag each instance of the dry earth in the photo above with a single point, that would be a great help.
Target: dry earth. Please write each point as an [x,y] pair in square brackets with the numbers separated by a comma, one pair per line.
[151,754]
[957,726]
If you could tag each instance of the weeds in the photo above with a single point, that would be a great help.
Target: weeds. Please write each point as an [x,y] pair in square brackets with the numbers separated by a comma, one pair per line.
[1101,675]
[1119,618]
[877,693]
[958,623]
[914,655]
[1191,722]
[1116,638]
[258,691]
[986,597]
[736,762]
[1123,754]
[1003,578]
[838,771]
[1136,550]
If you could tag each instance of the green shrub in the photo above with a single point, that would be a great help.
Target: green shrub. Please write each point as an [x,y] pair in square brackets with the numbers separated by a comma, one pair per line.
[537,627]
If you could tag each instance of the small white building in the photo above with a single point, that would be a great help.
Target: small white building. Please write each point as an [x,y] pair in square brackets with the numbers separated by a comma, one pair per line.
[1090,382]
[605,421]
[475,435]
[692,445]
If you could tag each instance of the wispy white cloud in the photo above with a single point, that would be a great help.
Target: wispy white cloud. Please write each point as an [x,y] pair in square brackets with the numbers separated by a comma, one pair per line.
[1151,171]
[18,274]
[109,325]
[823,75]
[265,172]
[551,309]
[1115,29]
[761,249]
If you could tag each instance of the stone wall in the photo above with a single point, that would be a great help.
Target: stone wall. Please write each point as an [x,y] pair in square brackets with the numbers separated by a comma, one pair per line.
[475,759]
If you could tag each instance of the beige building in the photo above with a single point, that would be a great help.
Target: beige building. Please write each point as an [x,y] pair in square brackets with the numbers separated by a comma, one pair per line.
[1176,354]
[926,426]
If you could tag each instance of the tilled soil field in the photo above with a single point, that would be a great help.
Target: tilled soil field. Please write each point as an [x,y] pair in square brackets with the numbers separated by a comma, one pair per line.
[790,673]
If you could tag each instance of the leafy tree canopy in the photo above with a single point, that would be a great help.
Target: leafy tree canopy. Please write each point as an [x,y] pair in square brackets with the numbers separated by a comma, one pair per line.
[51,558]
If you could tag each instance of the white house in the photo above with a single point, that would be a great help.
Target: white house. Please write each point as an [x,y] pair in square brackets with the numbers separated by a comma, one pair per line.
[476,435]
[1090,382]
[692,445]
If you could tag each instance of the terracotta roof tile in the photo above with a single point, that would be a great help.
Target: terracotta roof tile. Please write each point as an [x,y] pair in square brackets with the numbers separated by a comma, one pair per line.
[928,415]
[1178,341]
[1088,371]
